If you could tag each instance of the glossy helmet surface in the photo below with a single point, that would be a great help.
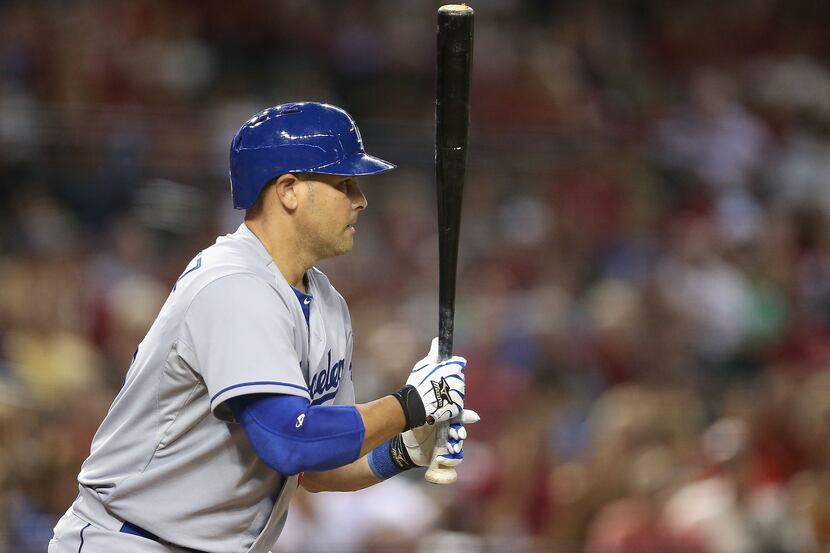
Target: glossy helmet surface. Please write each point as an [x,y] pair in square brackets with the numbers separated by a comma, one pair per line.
[303,137]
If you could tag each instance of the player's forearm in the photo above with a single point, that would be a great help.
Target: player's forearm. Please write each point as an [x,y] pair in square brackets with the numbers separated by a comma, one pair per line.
[348,478]
[382,419]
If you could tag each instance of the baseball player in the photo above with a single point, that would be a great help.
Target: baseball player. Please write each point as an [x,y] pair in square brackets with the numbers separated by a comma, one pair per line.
[242,388]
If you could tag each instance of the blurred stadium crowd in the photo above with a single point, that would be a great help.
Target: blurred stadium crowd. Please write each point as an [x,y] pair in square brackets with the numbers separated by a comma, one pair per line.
[645,268]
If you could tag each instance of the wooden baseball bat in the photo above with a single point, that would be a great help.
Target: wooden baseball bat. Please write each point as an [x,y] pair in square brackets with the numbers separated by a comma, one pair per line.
[452,120]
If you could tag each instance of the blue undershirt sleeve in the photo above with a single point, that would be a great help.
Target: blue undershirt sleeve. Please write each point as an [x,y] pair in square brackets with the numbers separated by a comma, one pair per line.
[292,436]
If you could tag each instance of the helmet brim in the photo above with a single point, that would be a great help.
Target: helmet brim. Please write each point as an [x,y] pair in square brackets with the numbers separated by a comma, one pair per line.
[356,166]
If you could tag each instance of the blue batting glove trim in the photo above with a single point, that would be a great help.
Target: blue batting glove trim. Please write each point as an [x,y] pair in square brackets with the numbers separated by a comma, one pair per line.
[440,365]
[429,374]
[459,363]
[459,455]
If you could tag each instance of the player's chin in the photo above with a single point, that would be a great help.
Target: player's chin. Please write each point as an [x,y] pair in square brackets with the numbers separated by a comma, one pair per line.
[341,247]
[347,246]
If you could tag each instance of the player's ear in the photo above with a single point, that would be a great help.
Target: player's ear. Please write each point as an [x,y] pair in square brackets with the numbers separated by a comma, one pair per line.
[285,190]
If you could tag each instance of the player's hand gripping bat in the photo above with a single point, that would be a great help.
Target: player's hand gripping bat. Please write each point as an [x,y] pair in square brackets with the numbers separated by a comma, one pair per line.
[452,118]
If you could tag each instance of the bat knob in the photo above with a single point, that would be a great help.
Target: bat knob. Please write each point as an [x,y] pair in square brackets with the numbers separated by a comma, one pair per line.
[456,9]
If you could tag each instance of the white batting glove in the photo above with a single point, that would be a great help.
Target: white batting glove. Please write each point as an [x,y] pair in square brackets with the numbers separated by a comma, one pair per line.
[440,385]
[420,442]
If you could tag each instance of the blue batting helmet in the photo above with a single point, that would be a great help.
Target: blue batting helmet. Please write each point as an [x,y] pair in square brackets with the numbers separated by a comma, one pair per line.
[304,137]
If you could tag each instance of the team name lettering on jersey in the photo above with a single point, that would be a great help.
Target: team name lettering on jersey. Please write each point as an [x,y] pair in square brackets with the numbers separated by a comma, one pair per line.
[325,383]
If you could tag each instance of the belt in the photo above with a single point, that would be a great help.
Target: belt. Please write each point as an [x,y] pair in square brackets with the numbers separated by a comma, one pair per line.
[130,528]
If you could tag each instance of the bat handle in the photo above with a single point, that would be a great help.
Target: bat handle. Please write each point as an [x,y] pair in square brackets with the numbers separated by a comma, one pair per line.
[438,473]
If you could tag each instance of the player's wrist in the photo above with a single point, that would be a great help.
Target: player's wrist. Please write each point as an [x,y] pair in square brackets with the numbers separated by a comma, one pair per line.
[390,458]
[412,405]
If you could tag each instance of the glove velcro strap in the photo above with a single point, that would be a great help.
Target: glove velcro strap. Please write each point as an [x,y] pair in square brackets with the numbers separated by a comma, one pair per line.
[412,405]
[390,458]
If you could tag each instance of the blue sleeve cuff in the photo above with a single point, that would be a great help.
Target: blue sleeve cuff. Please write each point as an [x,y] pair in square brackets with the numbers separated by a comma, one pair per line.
[390,458]
[380,461]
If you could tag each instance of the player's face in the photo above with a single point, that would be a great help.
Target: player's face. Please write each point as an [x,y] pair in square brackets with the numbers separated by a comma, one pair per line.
[333,203]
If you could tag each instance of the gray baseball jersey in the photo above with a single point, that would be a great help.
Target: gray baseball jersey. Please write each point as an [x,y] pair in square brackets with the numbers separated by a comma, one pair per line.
[168,457]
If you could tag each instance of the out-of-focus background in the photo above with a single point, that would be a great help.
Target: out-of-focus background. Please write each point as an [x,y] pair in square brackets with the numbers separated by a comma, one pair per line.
[644,287]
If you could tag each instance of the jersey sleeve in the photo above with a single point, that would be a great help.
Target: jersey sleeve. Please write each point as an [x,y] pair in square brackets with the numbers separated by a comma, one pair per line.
[240,337]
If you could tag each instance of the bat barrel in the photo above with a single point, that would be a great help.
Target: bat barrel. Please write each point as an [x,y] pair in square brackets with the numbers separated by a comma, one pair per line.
[452,119]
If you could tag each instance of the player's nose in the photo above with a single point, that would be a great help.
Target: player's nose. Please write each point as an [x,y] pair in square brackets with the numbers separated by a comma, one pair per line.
[359,200]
